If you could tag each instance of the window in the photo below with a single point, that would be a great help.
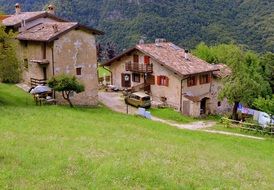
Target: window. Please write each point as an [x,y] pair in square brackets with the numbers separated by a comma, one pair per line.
[146,60]
[79,71]
[205,78]
[135,77]
[219,104]
[135,58]
[26,64]
[25,43]
[162,80]
[44,50]
[151,79]
[191,81]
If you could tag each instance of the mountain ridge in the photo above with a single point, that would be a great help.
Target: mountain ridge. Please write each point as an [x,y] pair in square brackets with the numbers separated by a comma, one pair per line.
[184,22]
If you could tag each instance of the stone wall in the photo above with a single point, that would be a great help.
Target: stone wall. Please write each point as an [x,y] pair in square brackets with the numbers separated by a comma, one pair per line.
[77,49]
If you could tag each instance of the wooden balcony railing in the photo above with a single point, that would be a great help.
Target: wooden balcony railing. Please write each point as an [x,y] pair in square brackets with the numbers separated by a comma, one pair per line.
[35,82]
[139,68]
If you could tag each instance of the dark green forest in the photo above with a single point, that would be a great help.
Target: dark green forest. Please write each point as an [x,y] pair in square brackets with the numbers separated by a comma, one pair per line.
[184,22]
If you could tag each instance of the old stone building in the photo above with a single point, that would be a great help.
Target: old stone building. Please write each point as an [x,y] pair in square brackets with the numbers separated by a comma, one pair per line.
[171,75]
[49,45]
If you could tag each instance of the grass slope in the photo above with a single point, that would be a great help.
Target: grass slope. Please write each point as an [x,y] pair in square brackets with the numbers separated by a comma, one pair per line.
[55,147]
[171,115]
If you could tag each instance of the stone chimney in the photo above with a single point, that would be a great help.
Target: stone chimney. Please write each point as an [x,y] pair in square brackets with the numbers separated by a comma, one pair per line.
[142,41]
[55,28]
[51,9]
[17,8]
[186,54]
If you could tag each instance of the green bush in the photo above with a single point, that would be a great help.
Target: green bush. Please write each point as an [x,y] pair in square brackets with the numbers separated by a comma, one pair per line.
[66,84]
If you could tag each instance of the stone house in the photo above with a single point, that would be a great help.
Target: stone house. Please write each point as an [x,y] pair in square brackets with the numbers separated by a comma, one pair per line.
[171,75]
[48,45]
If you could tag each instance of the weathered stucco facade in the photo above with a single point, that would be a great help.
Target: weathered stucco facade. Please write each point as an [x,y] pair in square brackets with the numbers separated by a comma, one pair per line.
[77,49]
[49,46]
[194,100]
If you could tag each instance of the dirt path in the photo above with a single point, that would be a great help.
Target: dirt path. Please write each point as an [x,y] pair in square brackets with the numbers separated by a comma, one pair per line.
[115,101]
[191,126]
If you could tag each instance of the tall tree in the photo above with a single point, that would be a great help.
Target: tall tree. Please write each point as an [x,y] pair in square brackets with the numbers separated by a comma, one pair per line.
[246,82]
[10,68]
[267,64]
[265,104]
[110,50]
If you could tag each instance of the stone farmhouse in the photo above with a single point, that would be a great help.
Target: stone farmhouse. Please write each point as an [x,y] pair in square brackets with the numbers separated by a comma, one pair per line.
[49,45]
[171,75]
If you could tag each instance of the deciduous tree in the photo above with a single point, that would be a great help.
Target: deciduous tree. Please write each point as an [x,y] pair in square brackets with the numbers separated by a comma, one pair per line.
[66,84]
[10,68]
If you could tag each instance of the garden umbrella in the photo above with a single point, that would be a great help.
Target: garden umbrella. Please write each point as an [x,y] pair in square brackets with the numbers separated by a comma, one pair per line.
[40,89]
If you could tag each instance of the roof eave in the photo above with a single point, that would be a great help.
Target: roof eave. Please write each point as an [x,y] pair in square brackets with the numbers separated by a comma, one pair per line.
[109,62]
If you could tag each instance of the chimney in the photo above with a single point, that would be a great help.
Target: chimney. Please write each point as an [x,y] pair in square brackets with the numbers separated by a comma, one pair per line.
[17,8]
[55,28]
[142,41]
[51,9]
[186,54]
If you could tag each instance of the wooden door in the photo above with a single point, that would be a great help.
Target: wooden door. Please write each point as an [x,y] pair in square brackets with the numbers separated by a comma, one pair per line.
[126,81]
[186,108]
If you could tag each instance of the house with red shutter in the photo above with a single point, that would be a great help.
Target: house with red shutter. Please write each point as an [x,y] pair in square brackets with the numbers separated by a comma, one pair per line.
[171,75]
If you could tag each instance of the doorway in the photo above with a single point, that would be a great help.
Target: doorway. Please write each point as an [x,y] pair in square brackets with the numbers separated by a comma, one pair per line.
[204,106]
[44,73]
[126,81]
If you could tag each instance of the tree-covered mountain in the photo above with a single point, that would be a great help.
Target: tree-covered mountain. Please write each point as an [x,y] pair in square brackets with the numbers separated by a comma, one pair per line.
[184,22]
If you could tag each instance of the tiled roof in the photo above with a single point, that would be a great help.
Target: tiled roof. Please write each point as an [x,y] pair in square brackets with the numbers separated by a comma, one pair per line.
[2,17]
[16,19]
[172,57]
[223,71]
[45,31]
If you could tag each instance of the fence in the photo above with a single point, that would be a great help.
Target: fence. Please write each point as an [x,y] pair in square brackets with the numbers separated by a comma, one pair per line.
[229,123]
[106,80]
[35,82]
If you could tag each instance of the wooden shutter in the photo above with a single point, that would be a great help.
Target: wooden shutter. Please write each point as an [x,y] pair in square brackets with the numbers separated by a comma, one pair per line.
[167,81]
[135,58]
[151,79]
[209,78]
[123,80]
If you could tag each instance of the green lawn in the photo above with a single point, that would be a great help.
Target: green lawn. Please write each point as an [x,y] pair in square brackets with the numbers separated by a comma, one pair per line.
[221,127]
[171,115]
[56,147]
[103,72]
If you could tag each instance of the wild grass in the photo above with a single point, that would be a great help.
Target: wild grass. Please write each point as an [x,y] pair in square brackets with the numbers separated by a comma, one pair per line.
[103,72]
[56,147]
[171,115]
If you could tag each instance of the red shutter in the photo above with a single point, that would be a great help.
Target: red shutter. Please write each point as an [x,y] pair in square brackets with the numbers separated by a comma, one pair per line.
[135,58]
[159,80]
[195,80]
[209,78]
[167,81]
[146,59]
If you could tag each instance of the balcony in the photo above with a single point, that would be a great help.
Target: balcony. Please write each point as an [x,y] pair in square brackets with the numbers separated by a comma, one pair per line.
[139,68]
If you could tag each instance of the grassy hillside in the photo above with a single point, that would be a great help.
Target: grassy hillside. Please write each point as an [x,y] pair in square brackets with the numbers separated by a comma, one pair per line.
[55,147]
[248,22]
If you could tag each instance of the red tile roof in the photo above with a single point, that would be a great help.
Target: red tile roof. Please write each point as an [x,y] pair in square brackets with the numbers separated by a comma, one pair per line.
[2,17]
[172,57]
[45,32]
[17,18]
